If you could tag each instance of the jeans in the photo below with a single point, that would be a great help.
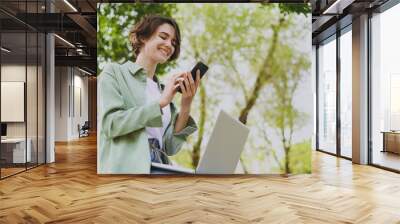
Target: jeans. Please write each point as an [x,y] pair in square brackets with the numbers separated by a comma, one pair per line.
[157,155]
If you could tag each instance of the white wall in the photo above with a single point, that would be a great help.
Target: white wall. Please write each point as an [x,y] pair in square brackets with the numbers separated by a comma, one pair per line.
[61,103]
[16,72]
[80,110]
[71,94]
[33,126]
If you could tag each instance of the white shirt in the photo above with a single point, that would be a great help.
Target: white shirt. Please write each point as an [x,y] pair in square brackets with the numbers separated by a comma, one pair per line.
[153,93]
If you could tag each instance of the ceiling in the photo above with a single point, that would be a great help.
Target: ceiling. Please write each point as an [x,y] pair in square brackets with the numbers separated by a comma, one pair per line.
[74,22]
[328,16]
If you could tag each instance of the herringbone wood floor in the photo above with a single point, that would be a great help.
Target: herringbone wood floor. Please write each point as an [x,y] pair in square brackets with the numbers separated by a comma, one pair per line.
[70,191]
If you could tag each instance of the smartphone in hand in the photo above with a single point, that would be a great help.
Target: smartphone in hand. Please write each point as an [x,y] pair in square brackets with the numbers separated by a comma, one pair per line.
[199,66]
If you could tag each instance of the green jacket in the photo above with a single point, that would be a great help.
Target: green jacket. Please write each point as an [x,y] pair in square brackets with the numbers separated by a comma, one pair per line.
[123,146]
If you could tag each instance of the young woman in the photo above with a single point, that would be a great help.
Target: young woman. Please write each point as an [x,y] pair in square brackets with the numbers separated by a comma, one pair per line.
[138,122]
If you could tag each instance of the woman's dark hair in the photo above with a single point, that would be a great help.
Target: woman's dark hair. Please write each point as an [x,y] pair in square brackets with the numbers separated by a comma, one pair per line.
[146,27]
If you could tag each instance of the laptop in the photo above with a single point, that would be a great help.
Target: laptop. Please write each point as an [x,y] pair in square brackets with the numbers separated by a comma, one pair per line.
[222,152]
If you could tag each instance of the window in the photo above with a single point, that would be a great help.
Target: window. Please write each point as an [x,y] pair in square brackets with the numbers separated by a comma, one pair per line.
[385,89]
[23,87]
[346,93]
[327,96]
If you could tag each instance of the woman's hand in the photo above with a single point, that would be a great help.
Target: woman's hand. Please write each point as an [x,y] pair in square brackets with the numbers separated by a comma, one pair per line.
[189,88]
[170,90]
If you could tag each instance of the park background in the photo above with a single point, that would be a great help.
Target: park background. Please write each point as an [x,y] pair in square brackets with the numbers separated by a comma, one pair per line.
[259,57]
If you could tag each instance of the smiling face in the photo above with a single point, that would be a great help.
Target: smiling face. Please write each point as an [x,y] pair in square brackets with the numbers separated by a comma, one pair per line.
[161,45]
[156,38]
